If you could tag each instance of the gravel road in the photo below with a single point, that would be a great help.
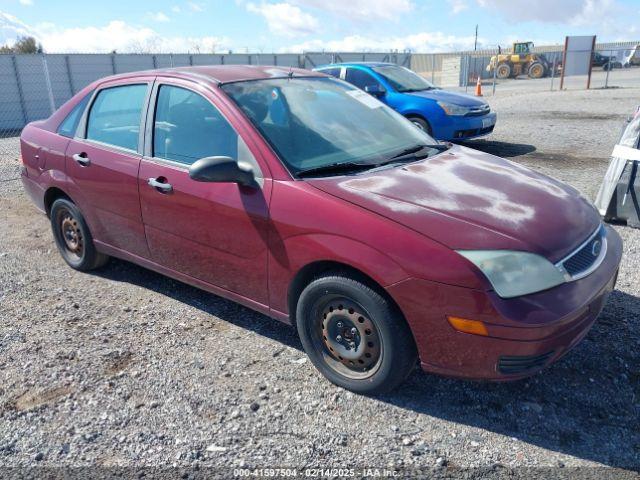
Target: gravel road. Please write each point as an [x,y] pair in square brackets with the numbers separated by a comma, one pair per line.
[126,368]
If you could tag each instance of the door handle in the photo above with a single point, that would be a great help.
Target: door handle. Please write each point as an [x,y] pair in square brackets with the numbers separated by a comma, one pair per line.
[161,186]
[82,159]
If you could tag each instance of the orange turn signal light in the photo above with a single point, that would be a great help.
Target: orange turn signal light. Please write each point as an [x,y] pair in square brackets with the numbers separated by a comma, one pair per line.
[475,327]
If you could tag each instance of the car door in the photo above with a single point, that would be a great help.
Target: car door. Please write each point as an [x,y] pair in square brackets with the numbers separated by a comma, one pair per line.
[214,232]
[103,159]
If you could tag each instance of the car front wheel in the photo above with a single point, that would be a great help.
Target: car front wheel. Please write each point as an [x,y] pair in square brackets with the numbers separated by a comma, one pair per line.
[354,335]
[73,238]
[421,123]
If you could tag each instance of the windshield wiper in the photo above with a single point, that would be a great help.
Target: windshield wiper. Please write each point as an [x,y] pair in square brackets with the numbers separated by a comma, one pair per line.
[409,154]
[411,151]
[339,167]
[411,90]
[335,168]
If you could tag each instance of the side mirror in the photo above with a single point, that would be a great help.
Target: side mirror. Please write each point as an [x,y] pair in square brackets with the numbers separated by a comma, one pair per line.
[222,169]
[376,90]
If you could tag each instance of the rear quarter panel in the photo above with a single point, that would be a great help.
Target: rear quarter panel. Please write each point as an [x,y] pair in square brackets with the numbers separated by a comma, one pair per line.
[43,155]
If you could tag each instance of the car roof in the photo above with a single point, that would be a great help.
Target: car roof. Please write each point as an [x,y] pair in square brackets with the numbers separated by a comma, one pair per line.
[220,74]
[359,64]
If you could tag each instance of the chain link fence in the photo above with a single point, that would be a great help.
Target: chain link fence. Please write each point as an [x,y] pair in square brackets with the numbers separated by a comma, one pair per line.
[33,86]
[614,65]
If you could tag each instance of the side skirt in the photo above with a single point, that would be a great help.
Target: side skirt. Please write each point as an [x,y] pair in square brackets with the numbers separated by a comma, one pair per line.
[194,282]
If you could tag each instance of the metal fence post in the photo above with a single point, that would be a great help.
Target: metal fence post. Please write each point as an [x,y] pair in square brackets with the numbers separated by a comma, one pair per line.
[606,78]
[47,82]
[433,68]
[495,73]
[70,75]
[23,109]
[466,75]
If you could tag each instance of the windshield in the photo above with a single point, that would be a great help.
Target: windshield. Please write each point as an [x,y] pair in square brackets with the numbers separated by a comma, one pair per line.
[402,79]
[317,122]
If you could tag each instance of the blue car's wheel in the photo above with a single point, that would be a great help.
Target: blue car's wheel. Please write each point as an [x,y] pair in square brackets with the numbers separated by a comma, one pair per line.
[421,123]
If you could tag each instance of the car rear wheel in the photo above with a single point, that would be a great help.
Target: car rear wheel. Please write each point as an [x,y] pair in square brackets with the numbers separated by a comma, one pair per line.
[421,123]
[73,238]
[353,335]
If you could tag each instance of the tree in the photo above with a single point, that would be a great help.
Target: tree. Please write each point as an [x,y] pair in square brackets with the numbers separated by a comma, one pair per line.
[23,45]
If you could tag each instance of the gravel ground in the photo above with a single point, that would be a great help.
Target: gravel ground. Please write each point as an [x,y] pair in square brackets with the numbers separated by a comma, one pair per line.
[124,367]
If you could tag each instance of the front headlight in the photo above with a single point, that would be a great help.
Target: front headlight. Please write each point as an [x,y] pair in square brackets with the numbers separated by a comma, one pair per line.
[451,109]
[515,273]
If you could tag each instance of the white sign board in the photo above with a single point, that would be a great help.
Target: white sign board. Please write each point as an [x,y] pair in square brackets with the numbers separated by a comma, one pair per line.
[578,52]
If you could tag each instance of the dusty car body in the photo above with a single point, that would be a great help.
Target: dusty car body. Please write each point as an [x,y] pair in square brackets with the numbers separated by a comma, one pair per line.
[376,263]
[617,200]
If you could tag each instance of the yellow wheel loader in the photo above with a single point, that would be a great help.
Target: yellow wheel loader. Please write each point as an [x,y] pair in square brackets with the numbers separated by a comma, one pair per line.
[520,61]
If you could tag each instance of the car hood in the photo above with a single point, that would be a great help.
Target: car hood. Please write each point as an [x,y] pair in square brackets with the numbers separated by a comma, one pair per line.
[466,199]
[450,97]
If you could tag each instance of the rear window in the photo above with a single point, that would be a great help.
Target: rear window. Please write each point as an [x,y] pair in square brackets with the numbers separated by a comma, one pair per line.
[115,115]
[69,125]
[334,72]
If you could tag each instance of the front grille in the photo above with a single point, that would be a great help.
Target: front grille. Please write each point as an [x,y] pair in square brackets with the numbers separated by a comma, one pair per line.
[510,365]
[478,111]
[586,256]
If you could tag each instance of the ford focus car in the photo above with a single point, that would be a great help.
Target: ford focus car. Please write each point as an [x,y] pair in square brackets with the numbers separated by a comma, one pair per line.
[381,245]
[443,114]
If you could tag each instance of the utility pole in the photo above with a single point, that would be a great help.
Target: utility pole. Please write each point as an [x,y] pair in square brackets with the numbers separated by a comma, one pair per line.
[475,43]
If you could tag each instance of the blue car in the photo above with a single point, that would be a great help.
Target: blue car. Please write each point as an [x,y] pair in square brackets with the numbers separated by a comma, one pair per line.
[444,115]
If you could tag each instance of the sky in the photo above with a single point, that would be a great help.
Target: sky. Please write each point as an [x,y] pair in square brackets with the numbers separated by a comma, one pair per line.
[208,26]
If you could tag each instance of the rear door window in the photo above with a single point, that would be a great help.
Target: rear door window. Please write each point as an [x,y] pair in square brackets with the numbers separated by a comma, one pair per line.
[115,116]
[69,125]
[360,78]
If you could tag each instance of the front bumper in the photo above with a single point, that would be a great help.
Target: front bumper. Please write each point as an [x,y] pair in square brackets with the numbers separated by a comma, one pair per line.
[525,334]
[463,128]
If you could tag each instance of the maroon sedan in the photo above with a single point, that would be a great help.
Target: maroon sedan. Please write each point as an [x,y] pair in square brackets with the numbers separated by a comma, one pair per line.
[310,201]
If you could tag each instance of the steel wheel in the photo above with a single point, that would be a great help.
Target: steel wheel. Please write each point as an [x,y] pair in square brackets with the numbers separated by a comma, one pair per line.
[350,341]
[353,335]
[71,234]
[73,238]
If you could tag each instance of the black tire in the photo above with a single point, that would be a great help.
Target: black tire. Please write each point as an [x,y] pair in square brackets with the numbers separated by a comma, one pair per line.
[378,329]
[504,71]
[421,123]
[73,238]
[536,70]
